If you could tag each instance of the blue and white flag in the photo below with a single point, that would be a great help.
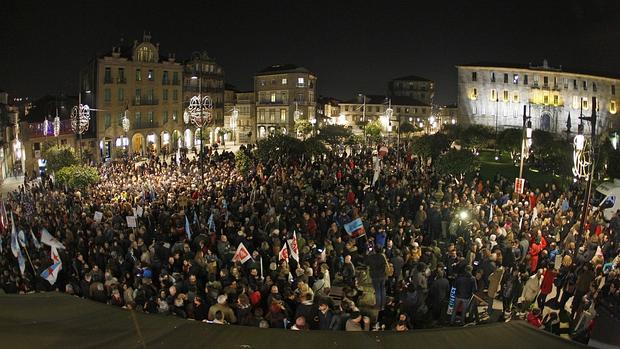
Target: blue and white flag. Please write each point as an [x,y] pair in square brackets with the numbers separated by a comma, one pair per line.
[51,273]
[36,242]
[49,240]
[14,240]
[211,223]
[355,228]
[22,238]
[21,260]
[188,230]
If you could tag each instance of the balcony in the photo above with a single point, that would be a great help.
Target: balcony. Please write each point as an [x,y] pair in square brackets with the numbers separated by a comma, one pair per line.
[142,125]
[165,82]
[276,102]
[176,82]
[144,101]
[107,80]
[121,80]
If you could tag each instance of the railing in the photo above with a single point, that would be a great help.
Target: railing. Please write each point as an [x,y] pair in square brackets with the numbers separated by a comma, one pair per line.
[121,80]
[141,125]
[144,101]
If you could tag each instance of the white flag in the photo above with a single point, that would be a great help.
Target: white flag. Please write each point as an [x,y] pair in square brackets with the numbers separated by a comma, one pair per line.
[22,238]
[49,240]
[51,273]
[292,243]
[14,240]
[242,254]
[36,242]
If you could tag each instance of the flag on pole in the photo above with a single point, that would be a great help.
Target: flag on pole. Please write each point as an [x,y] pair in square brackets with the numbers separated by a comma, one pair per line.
[36,242]
[294,247]
[21,260]
[55,256]
[22,238]
[491,213]
[14,241]
[211,223]
[355,228]
[283,255]
[51,273]
[188,230]
[49,240]
[242,254]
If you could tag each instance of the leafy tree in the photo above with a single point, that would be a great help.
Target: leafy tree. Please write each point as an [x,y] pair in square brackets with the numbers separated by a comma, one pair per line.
[509,140]
[453,131]
[430,146]
[279,147]
[334,134]
[373,131]
[550,154]
[242,162]
[314,146]
[407,128]
[457,163]
[77,176]
[476,137]
[303,126]
[58,157]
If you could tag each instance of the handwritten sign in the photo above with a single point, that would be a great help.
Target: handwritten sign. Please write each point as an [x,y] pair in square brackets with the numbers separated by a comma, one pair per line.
[98,216]
[131,221]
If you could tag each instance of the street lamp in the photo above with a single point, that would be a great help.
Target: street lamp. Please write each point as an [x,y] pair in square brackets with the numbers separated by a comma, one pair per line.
[233,122]
[585,165]
[200,111]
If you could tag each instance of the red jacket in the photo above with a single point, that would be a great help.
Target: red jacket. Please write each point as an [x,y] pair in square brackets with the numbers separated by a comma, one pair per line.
[547,283]
[535,250]
[533,320]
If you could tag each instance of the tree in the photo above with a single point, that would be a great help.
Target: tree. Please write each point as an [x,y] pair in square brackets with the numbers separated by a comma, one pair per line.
[476,136]
[314,146]
[407,128]
[242,162]
[430,146]
[58,157]
[457,162]
[453,131]
[279,147]
[334,134]
[77,176]
[550,154]
[303,126]
[510,140]
[373,131]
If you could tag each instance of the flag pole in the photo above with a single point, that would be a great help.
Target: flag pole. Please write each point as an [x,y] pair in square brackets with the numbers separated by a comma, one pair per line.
[261,268]
[29,260]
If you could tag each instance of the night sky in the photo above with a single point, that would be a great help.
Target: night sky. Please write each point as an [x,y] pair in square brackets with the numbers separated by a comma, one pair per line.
[351,46]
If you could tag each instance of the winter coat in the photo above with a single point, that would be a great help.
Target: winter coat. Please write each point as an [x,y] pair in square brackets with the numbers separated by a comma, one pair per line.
[531,288]
[494,281]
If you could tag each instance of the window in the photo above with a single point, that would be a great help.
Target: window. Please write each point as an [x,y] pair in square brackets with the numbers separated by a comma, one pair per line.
[492,77]
[300,82]
[545,81]
[107,120]
[164,78]
[612,107]
[346,108]
[594,86]
[273,97]
[150,117]
[505,78]
[175,95]
[473,95]
[261,115]
[121,94]
[262,82]
[515,97]
[108,75]
[474,76]
[556,100]
[121,75]
[525,80]
[493,95]
[120,118]
[546,99]
[175,114]
[138,75]
[150,75]
[138,120]
[575,102]
[565,83]
[138,95]
[164,94]
[535,80]
[284,81]
[272,115]
[145,54]
[107,95]
[585,85]
[613,90]
[506,97]
[175,78]
[273,81]
[584,103]
[574,84]
[515,79]
[283,115]
[164,116]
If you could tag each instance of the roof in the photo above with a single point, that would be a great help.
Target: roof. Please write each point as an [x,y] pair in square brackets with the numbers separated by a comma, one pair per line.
[283,68]
[382,99]
[412,78]
[544,67]
[58,320]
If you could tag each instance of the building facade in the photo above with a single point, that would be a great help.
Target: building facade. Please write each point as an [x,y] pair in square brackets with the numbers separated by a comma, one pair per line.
[415,87]
[282,94]
[242,128]
[404,109]
[137,82]
[495,94]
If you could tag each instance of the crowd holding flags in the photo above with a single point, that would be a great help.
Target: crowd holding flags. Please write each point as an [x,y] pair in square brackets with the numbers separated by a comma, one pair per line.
[283,255]
[242,254]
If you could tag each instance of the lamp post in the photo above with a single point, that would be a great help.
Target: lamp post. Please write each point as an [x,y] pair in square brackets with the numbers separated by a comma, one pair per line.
[57,127]
[126,124]
[233,123]
[526,138]
[200,110]
[589,169]
[80,119]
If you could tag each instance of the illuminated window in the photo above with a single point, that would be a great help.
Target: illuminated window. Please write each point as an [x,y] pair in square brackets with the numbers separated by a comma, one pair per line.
[556,100]
[150,75]
[575,102]
[283,115]
[505,78]
[515,97]
[138,75]
[515,79]
[473,94]
[284,81]
[493,95]
[300,82]
[584,103]
[474,76]
[612,107]
[273,97]
[546,99]
[506,97]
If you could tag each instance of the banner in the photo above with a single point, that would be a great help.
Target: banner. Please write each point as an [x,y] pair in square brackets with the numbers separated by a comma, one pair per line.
[98,216]
[283,255]
[242,254]
[355,228]
[131,221]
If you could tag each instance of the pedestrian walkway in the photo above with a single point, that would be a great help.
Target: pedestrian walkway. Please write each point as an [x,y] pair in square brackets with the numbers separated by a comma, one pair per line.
[10,184]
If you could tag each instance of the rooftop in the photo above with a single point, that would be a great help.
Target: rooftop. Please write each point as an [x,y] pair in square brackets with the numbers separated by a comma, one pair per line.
[382,99]
[412,78]
[544,67]
[282,68]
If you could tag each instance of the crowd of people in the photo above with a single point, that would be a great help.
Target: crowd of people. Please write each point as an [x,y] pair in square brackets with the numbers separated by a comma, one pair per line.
[436,249]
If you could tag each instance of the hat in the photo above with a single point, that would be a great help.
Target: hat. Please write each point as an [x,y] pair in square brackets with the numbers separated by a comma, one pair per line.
[147,274]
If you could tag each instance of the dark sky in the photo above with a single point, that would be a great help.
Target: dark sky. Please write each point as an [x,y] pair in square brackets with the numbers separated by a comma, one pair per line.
[352,46]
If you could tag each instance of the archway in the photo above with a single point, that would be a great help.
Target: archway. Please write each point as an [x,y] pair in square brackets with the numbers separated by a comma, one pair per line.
[137,144]
[545,122]
[197,138]
[188,138]
[151,143]
[165,142]
[177,139]
[105,148]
